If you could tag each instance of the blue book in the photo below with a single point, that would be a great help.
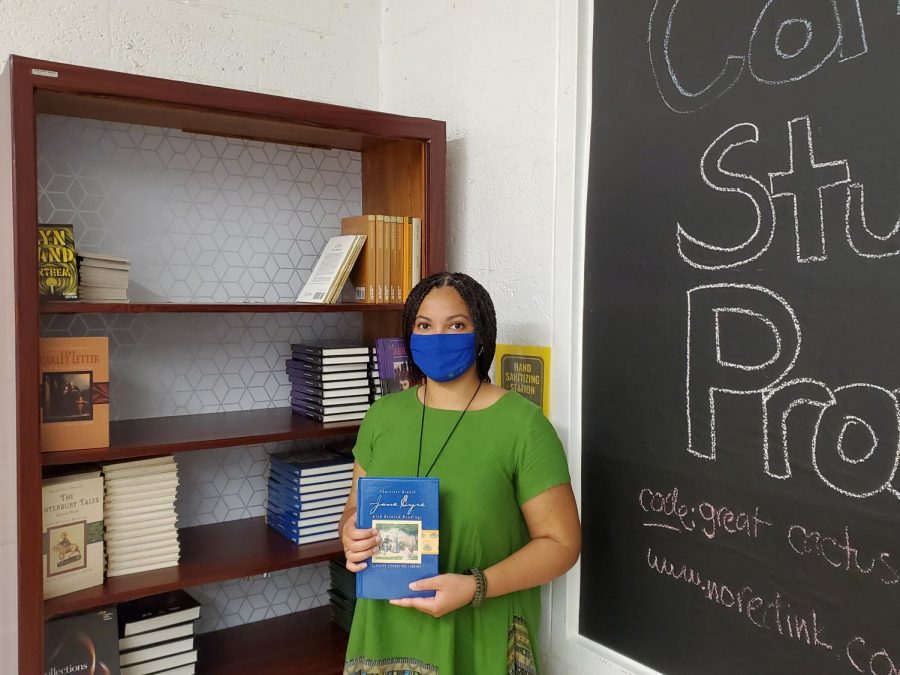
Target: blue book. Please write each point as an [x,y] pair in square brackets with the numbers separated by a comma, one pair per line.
[405,513]
[289,494]
[294,502]
[306,486]
[297,538]
[311,463]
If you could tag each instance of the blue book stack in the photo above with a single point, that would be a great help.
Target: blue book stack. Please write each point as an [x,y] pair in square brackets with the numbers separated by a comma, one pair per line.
[405,513]
[307,494]
[330,381]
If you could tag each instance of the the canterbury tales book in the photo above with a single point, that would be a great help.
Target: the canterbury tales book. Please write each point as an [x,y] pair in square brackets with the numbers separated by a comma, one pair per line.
[57,266]
[86,644]
[74,393]
[405,513]
[72,532]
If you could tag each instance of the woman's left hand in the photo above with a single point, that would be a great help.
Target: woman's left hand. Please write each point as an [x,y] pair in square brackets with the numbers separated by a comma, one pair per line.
[452,592]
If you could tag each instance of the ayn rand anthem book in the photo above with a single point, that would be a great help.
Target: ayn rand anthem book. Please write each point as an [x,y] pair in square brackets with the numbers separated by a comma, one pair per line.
[405,513]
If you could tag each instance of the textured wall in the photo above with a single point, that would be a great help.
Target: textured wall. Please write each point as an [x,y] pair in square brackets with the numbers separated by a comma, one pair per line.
[489,70]
[299,49]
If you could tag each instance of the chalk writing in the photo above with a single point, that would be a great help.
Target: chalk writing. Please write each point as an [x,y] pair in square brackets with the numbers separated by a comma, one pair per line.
[840,553]
[714,520]
[830,26]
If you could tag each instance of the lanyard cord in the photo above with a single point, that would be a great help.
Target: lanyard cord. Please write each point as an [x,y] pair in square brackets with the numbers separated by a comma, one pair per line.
[422,430]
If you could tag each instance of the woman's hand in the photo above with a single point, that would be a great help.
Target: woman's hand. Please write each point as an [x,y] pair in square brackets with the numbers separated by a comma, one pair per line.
[358,544]
[453,591]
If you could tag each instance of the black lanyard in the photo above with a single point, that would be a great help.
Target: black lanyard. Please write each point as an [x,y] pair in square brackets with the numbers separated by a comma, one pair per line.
[422,430]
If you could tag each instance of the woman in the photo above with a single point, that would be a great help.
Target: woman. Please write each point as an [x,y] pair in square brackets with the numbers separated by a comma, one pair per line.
[508,520]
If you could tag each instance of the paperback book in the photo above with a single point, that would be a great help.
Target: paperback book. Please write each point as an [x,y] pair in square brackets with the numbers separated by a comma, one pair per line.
[394,372]
[405,513]
[74,378]
[72,533]
[82,643]
[57,266]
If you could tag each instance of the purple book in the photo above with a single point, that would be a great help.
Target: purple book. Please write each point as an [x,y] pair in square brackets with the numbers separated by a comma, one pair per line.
[393,365]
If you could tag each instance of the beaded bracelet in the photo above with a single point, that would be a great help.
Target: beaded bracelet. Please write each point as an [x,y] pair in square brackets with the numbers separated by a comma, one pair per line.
[480,585]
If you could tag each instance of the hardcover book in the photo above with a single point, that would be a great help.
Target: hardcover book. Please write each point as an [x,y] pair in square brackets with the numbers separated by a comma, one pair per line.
[405,513]
[82,643]
[72,533]
[74,378]
[57,265]
[363,276]
[393,365]
[157,611]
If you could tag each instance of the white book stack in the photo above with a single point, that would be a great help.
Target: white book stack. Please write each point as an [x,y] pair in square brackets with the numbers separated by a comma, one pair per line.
[139,514]
[374,376]
[102,278]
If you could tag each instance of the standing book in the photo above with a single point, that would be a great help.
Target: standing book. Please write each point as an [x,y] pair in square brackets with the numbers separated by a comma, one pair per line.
[405,513]
[394,365]
[82,643]
[72,533]
[57,265]
[363,276]
[74,379]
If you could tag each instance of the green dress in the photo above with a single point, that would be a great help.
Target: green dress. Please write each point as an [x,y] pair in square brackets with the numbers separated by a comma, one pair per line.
[497,459]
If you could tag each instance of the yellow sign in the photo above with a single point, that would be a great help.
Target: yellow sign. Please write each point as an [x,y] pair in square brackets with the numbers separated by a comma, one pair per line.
[525,369]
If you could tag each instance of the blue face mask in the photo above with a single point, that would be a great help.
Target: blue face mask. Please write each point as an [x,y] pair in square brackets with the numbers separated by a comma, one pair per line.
[444,356]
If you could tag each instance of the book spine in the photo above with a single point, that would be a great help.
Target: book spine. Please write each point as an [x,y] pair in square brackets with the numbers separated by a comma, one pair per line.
[381,267]
[416,262]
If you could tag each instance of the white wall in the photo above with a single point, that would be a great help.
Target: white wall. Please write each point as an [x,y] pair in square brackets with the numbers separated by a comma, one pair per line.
[302,49]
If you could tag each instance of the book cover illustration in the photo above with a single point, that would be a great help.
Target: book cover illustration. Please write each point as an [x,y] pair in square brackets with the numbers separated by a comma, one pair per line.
[83,643]
[393,365]
[72,525]
[57,266]
[74,380]
[405,511]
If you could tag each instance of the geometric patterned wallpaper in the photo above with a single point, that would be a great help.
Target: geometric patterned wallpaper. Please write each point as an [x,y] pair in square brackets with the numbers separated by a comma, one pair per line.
[203,219]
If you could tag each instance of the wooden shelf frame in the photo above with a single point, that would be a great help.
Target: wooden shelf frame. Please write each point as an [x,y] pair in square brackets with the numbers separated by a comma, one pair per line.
[305,643]
[403,171]
[205,308]
[154,436]
[209,553]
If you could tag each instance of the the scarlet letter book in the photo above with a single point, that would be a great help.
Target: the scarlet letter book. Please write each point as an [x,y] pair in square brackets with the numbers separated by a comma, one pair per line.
[405,513]
[83,643]
[74,393]
[72,533]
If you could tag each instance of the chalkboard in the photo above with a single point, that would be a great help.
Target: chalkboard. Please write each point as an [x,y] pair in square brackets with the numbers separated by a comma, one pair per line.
[741,432]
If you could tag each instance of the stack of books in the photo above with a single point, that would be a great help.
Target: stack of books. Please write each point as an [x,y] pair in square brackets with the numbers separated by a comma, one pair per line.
[307,494]
[103,278]
[375,376]
[139,513]
[342,593]
[330,381]
[156,635]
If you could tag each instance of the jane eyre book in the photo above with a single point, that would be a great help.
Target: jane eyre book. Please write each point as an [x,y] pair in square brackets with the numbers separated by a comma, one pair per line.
[82,643]
[405,513]
[393,365]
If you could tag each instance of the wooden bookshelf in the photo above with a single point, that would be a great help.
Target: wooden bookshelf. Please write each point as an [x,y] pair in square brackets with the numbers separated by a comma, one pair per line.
[403,162]
[155,436]
[209,553]
[305,643]
[187,308]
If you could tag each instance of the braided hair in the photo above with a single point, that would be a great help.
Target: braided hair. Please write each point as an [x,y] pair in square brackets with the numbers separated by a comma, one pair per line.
[481,309]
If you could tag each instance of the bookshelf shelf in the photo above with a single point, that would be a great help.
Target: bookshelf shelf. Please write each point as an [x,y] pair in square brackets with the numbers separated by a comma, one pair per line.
[187,308]
[209,553]
[305,643]
[155,436]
